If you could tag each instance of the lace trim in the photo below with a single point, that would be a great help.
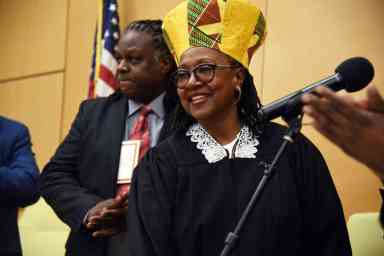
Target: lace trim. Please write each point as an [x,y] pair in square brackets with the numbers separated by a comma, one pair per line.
[214,152]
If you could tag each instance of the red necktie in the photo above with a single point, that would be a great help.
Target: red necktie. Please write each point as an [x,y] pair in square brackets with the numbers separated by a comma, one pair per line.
[139,131]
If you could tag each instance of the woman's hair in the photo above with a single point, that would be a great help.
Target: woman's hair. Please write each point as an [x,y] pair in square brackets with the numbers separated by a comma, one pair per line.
[247,108]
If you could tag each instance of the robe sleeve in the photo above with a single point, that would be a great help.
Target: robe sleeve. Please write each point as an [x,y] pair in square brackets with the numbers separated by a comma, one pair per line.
[150,205]
[325,231]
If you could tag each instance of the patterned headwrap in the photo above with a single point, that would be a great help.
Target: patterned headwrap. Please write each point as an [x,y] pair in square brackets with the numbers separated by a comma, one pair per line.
[234,27]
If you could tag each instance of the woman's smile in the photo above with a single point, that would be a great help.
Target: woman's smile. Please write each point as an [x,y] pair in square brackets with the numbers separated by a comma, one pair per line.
[198,98]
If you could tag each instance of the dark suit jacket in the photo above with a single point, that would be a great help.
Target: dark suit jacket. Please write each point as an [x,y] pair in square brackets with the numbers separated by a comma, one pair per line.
[18,181]
[83,170]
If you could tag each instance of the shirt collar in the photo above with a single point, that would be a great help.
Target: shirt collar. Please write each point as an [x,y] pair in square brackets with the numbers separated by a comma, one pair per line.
[156,105]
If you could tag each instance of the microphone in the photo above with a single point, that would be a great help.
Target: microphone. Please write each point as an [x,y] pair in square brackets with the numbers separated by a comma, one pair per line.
[352,75]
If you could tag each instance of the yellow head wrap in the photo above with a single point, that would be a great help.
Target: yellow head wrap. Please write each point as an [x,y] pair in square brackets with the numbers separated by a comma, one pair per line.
[234,27]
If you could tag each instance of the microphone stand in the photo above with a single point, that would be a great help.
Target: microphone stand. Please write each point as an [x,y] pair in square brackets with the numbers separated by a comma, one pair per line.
[294,127]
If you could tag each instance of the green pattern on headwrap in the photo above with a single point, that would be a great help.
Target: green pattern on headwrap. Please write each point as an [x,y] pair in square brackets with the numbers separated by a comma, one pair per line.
[196,36]
[199,39]
[233,27]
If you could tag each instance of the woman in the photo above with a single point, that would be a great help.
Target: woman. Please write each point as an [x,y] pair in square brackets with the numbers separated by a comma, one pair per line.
[190,191]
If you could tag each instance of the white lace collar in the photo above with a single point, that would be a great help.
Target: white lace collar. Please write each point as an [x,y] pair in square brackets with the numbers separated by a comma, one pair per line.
[214,152]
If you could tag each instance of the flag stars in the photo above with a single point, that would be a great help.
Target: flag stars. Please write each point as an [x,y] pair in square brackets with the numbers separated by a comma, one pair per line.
[103,86]
[112,7]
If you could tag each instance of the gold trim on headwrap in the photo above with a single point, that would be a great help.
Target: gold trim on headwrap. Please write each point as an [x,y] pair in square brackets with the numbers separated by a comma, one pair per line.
[235,27]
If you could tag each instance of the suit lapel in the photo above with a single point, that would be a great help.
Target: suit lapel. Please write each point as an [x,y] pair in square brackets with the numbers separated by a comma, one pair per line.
[115,127]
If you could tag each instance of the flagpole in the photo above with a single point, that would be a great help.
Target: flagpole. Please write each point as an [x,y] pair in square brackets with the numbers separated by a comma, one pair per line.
[99,44]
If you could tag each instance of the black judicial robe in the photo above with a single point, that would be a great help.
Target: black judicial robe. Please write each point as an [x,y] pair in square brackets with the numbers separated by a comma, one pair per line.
[182,205]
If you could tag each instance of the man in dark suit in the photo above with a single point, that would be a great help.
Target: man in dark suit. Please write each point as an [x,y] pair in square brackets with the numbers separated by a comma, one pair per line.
[18,181]
[356,126]
[80,181]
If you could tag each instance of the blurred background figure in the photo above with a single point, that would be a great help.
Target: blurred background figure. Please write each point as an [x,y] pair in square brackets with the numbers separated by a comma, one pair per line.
[18,181]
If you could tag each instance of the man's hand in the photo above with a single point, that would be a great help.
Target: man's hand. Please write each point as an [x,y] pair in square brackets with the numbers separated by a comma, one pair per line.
[107,218]
[356,126]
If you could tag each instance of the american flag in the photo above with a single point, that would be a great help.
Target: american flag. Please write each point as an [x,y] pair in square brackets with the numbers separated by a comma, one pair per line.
[102,79]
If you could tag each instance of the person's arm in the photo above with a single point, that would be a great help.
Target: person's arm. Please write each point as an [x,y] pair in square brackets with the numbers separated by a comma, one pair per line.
[356,126]
[324,228]
[60,186]
[19,178]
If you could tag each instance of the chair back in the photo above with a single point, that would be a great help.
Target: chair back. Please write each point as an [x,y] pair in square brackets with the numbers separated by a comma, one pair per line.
[41,231]
[366,234]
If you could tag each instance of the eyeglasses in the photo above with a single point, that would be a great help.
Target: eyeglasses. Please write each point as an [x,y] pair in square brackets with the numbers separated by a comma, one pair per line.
[203,72]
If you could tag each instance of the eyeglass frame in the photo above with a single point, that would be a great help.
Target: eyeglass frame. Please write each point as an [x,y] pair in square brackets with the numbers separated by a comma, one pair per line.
[193,71]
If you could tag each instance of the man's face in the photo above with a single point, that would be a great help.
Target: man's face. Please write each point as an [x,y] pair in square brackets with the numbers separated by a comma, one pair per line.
[140,74]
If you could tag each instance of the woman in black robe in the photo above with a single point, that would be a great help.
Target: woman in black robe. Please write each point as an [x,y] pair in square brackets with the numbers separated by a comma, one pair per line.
[189,192]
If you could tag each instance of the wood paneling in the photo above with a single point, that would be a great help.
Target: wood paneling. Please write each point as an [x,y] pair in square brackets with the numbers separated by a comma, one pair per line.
[149,9]
[81,29]
[37,102]
[32,37]
[307,40]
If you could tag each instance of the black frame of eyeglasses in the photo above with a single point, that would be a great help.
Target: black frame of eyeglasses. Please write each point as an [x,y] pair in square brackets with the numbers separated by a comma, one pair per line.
[193,71]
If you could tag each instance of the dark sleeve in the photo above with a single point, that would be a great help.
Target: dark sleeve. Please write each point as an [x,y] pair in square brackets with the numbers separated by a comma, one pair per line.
[19,178]
[325,232]
[149,208]
[60,186]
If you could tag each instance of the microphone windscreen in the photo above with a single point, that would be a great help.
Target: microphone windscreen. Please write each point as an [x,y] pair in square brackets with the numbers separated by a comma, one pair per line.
[356,73]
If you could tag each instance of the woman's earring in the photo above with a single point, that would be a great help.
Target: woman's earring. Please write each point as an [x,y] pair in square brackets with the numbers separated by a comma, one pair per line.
[237,94]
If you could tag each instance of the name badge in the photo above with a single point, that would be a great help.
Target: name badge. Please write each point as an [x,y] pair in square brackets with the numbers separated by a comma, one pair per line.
[129,157]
